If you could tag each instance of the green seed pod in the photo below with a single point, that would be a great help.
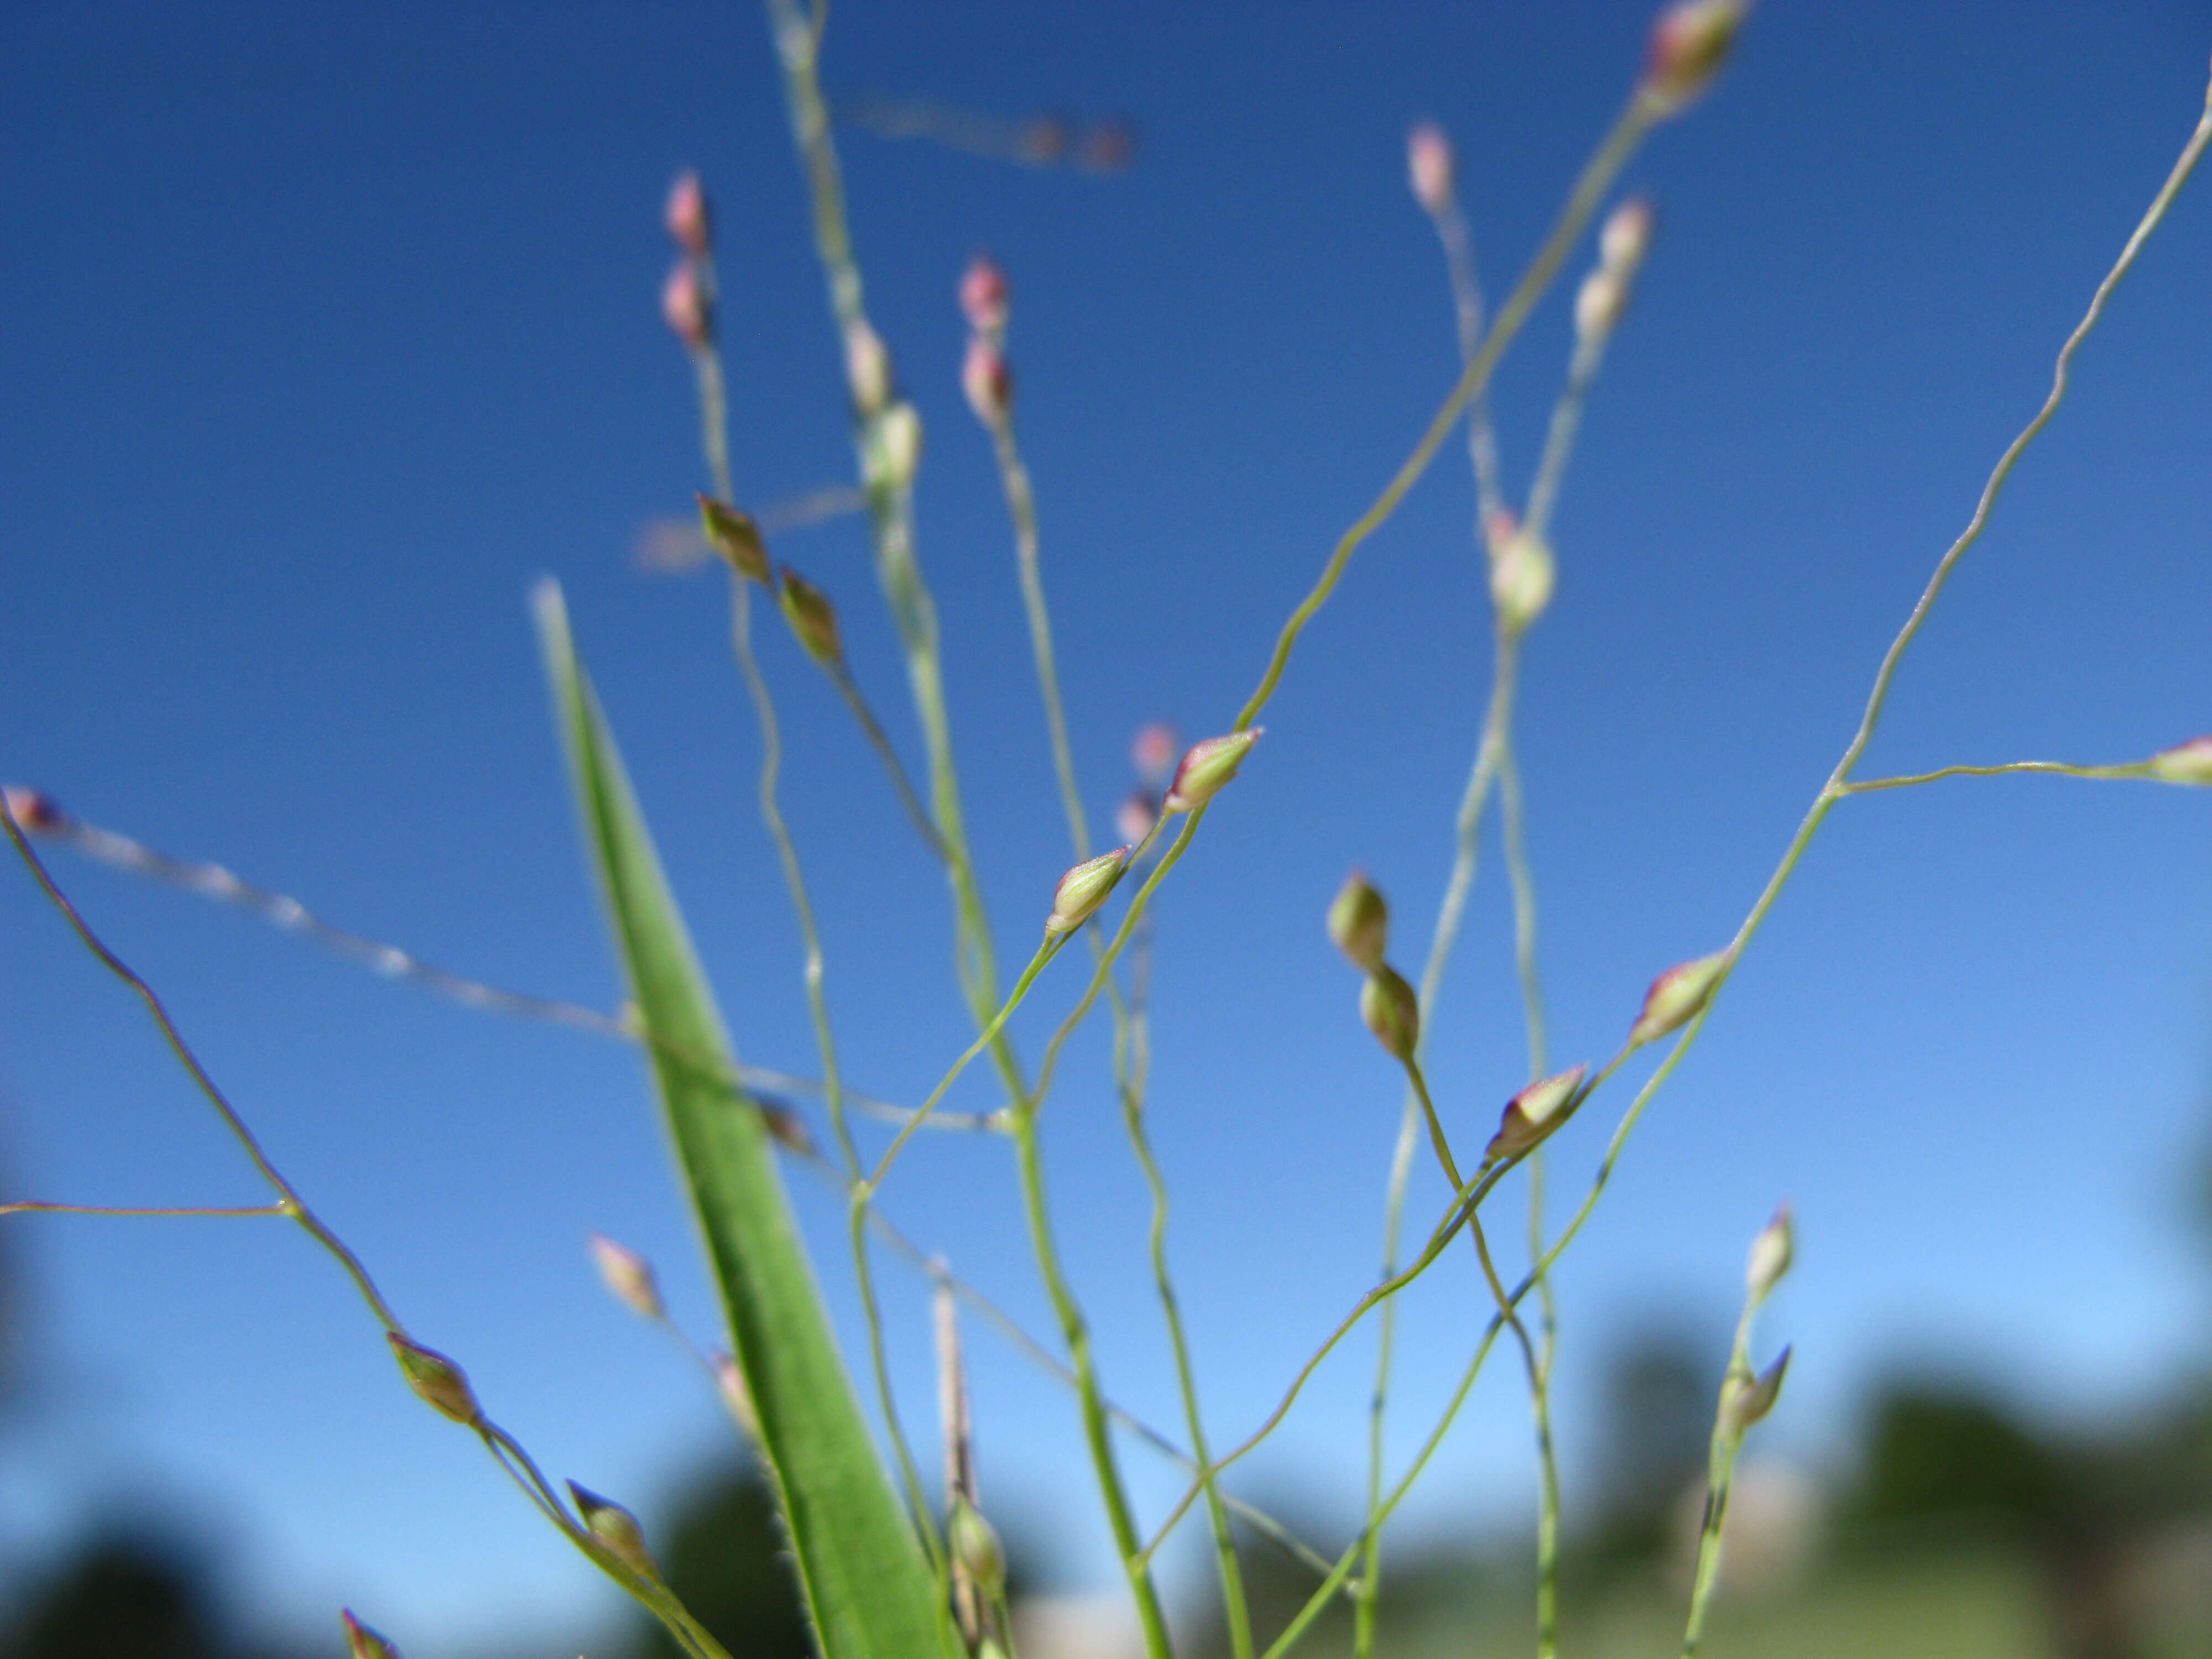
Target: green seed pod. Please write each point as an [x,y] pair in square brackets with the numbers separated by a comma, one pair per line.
[732,533]
[437,1379]
[813,619]
[1535,1112]
[975,1545]
[1207,768]
[1083,889]
[2185,762]
[1522,574]
[617,1529]
[1771,1253]
[1676,996]
[1750,1399]
[1392,1010]
[1359,922]
[361,1641]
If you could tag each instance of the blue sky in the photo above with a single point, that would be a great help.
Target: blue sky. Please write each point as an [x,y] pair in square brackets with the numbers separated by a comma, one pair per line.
[326,329]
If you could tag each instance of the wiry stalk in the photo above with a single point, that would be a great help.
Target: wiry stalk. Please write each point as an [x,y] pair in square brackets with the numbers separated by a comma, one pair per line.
[1130,1050]
[798,41]
[504,1449]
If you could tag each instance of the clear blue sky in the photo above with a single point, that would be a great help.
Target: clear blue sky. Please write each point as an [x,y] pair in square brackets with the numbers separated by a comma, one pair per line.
[326,330]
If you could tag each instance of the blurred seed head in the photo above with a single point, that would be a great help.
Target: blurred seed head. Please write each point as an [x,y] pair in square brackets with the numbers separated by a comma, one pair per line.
[1206,768]
[1676,995]
[2185,762]
[987,382]
[361,1641]
[812,617]
[628,1274]
[683,306]
[975,1545]
[1359,922]
[1523,575]
[1045,141]
[1498,529]
[894,447]
[690,225]
[1598,304]
[729,1382]
[1108,147]
[1689,44]
[1750,1399]
[1154,751]
[985,299]
[33,810]
[1625,237]
[617,1529]
[732,533]
[1083,889]
[1431,168]
[785,1125]
[867,367]
[1392,1012]
[1133,819]
[1771,1253]
[1536,1111]
[435,1379]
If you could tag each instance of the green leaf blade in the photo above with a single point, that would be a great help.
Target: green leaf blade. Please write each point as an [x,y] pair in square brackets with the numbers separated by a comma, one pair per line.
[861,1568]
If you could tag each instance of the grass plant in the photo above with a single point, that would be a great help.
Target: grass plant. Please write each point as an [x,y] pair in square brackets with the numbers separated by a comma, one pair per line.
[887,1571]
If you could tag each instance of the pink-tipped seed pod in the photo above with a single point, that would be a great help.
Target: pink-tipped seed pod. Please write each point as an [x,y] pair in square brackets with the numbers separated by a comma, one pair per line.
[1689,43]
[985,300]
[987,382]
[690,225]
[1431,168]
[34,811]
[627,1274]
[683,306]
[1207,767]
[1534,1113]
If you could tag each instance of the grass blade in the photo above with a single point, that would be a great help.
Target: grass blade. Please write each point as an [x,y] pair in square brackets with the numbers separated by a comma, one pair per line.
[860,1564]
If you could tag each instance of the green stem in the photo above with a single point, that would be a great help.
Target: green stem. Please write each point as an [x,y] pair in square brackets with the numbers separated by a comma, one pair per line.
[2130,769]
[1096,1432]
[1463,1206]
[848,688]
[1719,1471]
[1021,507]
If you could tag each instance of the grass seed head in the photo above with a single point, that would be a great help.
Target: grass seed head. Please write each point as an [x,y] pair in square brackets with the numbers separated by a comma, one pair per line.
[1430,169]
[436,1379]
[683,306]
[1537,1111]
[1392,1010]
[1675,997]
[690,225]
[1689,43]
[987,381]
[812,617]
[985,299]
[731,532]
[1207,767]
[1359,922]
[617,1529]
[1083,889]
[2185,762]
[1771,1253]
[628,1275]
[34,811]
